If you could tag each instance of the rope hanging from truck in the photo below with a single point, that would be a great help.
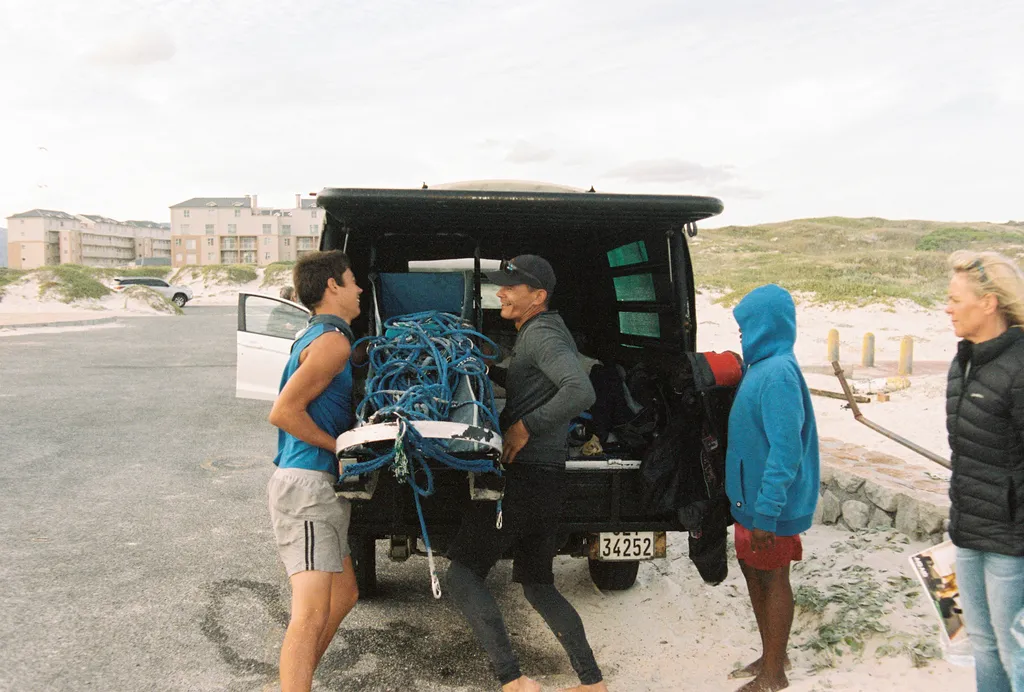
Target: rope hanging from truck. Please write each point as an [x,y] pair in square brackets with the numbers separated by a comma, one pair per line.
[417,366]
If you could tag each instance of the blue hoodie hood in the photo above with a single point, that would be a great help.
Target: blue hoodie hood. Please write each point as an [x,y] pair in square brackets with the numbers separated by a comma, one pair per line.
[767,318]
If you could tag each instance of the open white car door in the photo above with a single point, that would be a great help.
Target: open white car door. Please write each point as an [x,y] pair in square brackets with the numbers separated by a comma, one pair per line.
[266,330]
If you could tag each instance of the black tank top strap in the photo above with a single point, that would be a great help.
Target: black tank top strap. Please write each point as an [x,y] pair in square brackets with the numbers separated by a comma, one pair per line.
[336,322]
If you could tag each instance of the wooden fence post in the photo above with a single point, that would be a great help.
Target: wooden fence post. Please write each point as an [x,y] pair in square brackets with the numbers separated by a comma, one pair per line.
[833,345]
[906,365]
[867,352]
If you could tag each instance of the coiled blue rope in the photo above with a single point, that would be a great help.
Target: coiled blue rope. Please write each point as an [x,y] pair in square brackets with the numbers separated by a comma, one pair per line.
[418,364]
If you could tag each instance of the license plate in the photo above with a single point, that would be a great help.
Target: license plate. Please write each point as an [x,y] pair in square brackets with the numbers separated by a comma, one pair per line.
[637,545]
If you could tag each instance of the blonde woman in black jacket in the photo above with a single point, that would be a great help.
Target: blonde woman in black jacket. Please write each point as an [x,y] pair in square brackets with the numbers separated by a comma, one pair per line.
[985,420]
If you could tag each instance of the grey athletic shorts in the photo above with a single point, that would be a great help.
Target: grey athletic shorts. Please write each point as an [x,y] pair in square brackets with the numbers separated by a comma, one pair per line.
[310,520]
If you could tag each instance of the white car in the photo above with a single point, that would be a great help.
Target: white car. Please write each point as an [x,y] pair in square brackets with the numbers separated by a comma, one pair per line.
[266,330]
[179,295]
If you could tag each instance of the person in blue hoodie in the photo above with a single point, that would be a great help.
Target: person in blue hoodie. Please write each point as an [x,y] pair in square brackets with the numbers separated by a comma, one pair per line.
[771,473]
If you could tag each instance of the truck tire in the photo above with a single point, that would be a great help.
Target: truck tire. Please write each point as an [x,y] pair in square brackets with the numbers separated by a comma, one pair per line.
[364,559]
[613,576]
[179,299]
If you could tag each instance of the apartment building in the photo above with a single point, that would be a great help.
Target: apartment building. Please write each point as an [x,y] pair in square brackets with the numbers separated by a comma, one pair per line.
[152,241]
[42,237]
[236,230]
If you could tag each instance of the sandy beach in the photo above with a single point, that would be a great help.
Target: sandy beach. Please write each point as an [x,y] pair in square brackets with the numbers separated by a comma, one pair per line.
[917,412]
[710,630]
[22,304]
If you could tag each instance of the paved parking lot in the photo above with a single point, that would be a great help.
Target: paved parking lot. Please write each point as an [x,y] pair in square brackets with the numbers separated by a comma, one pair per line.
[137,550]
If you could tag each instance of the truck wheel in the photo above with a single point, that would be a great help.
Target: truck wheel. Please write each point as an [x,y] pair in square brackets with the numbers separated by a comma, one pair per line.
[179,299]
[364,558]
[613,576]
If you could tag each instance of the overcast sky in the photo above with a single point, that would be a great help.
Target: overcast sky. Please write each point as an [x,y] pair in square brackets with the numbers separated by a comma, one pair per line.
[783,109]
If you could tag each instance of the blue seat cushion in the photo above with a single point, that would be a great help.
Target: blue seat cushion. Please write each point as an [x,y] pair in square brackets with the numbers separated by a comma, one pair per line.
[407,293]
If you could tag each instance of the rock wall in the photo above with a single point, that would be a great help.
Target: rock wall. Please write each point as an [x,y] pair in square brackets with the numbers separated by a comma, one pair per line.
[861,489]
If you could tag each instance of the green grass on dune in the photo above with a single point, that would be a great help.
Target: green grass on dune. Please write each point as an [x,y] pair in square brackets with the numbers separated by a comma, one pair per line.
[841,260]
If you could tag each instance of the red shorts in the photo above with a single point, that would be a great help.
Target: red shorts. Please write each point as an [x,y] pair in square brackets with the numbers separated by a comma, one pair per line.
[787,549]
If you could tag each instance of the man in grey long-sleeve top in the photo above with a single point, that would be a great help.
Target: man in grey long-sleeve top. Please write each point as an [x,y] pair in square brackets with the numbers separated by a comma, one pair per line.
[546,388]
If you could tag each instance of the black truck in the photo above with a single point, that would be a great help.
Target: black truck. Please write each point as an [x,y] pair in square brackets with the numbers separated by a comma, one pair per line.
[625,287]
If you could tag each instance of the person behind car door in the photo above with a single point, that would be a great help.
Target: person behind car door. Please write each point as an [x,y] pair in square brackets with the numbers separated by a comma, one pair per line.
[772,472]
[283,320]
[546,388]
[985,421]
[310,521]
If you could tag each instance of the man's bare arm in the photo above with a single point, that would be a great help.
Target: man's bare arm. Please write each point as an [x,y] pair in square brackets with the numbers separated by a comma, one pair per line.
[321,363]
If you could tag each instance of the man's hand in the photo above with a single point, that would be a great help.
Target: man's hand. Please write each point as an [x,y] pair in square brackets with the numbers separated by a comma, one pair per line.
[761,540]
[513,442]
[361,354]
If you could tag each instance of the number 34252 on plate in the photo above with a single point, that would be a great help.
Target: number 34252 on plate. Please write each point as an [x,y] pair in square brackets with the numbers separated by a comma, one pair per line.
[636,545]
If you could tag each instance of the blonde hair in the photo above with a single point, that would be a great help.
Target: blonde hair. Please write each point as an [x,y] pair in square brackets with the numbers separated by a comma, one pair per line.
[991,272]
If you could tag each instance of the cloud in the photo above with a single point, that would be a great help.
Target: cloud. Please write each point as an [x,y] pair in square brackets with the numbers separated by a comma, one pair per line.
[735,191]
[134,49]
[524,152]
[671,171]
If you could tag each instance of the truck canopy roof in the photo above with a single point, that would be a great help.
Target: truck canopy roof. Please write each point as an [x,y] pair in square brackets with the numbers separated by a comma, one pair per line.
[524,214]
[618,282]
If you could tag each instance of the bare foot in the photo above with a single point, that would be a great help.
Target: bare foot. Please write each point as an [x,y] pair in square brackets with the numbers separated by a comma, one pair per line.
[754,668]
[762,683]
[596,687]
[521,684]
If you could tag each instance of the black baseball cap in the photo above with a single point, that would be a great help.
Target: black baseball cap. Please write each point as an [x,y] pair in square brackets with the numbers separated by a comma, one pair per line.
[531,270]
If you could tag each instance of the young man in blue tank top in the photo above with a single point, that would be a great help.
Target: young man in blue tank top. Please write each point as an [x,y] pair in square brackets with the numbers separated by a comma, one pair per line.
[310,521]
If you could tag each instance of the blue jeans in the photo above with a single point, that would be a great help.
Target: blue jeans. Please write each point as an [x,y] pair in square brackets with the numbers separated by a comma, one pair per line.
[992,594]
[1018,658]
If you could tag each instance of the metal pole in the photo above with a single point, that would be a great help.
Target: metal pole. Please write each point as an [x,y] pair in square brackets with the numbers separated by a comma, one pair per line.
[878,428]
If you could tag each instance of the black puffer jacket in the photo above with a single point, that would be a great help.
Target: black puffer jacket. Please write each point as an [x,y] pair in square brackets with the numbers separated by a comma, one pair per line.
[985,420]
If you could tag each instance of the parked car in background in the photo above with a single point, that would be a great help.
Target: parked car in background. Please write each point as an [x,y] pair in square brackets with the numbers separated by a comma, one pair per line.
[179,295]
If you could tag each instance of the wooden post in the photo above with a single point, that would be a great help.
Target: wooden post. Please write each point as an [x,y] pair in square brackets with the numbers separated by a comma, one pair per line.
[867,351]
[833,345]
[906,365]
